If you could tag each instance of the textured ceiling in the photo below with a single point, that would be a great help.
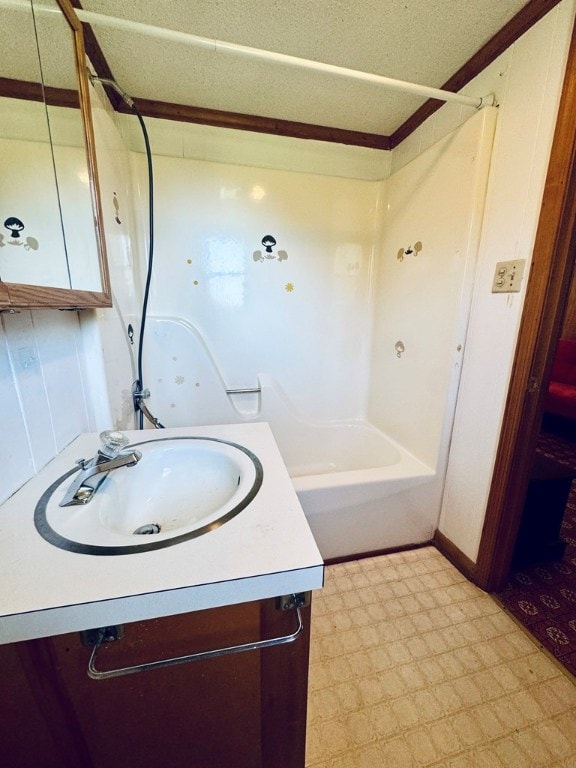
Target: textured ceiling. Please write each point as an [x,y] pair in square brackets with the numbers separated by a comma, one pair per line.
[423,41]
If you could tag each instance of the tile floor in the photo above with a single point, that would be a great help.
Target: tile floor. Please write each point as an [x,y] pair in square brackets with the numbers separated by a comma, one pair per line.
[412,665]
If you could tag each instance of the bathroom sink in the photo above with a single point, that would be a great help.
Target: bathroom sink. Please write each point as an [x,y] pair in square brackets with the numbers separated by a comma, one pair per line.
[181,488]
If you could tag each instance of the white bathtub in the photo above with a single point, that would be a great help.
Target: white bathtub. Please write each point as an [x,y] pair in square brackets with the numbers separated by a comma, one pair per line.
[361,492]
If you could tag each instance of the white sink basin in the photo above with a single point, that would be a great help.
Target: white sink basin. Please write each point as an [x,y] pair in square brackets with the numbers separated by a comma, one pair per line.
[181,488]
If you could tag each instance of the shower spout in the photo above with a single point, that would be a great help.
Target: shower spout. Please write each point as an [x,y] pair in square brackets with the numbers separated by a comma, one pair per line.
[114,85]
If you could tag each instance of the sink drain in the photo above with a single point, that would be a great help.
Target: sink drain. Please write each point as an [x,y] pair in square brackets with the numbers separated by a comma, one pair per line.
[147,529]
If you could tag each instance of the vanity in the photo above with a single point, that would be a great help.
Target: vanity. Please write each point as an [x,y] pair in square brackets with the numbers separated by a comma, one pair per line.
[173,639]
[198,653]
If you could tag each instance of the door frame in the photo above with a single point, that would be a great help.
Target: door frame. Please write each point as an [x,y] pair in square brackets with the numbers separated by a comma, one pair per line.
[546,296]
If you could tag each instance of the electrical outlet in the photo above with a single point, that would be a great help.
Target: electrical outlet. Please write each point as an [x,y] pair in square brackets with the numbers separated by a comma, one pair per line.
[508,276]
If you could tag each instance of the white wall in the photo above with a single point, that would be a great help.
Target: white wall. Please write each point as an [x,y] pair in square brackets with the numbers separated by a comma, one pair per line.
[53,383]
[432,207]
[296,313]
[42,391]
[43,354]
[527,80]
[256,150]
[126,250]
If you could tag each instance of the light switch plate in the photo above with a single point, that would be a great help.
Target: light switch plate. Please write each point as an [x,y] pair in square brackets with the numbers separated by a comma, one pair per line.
[508,276]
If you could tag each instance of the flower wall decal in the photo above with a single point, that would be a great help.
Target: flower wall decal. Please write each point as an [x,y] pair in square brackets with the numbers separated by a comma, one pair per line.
[16,227]
[269,241]
[412,249]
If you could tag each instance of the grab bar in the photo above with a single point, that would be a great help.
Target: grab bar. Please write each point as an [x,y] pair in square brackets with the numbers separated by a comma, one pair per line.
[244,391]
[97,674]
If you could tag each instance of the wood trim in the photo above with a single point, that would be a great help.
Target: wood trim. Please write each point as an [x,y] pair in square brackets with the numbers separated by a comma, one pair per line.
[90,142]
[546,295]
[241,122]
[45,297]
[4,296]
[223,119]
[29,91]
[569,325]
[532,12]
[376,553]
[450,551]
[97,58]
[515,28]
[14,295]
[458,559]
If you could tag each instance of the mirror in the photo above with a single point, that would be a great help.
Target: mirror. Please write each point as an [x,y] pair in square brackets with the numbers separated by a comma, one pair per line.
[52,249]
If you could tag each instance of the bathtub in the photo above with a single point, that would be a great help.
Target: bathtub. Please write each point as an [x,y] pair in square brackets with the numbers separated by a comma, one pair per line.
[361,492]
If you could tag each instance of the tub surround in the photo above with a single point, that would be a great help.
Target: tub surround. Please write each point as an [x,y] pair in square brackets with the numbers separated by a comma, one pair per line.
[366,451]
[360,491]
[267,550]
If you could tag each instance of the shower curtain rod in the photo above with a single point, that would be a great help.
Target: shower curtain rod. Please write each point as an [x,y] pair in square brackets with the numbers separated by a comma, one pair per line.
[220,46]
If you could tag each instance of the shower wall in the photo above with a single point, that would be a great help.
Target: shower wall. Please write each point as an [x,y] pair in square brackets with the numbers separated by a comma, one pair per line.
[273,269]
[112,397]
[431,220]
[351,268]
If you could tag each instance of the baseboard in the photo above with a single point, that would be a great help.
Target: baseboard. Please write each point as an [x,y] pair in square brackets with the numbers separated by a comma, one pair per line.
[458,559]
[375,553]
[450,551]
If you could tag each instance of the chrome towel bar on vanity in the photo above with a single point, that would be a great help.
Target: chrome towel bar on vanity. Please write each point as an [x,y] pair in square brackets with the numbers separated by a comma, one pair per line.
[109,634]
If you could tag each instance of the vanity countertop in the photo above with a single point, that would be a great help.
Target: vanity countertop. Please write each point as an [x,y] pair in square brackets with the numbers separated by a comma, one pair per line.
[265,551]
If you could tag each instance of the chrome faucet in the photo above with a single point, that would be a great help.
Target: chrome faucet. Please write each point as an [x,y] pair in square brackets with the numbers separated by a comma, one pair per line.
[94,471]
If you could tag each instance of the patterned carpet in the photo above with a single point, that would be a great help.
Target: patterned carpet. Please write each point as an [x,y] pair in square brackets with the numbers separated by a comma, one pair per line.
[542,594]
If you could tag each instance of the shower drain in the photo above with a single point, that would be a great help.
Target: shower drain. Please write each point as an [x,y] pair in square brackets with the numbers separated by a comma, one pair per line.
[147,529]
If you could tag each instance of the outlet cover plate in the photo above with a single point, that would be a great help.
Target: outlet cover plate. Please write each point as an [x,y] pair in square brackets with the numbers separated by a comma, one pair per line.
[508,276]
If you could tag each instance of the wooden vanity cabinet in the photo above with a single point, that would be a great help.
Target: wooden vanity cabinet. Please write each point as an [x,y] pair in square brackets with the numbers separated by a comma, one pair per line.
[244,710]
[29,732]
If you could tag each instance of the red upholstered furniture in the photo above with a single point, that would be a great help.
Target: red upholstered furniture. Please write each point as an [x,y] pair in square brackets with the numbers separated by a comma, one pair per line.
[561,397]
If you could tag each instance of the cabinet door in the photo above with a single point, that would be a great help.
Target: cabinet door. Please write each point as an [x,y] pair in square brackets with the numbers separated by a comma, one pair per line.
[202,714]
[36,728]
[246,710]
[284,689]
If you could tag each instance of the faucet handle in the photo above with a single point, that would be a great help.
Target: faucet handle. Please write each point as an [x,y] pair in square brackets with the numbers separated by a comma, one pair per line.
[113,442]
